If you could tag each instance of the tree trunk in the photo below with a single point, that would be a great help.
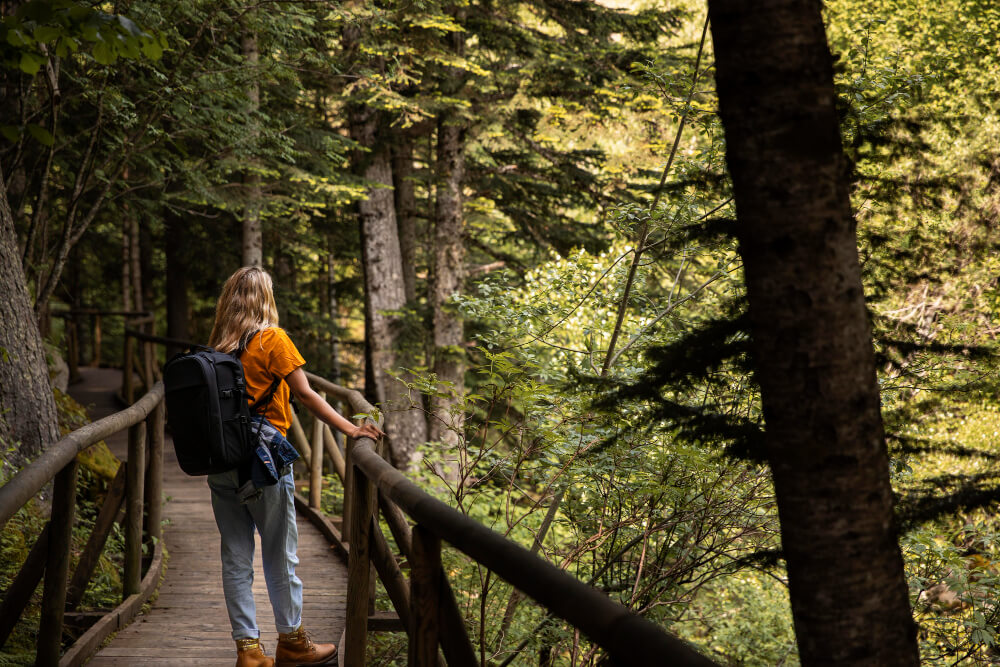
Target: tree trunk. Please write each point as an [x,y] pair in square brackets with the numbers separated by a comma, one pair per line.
[253,244]
[812,342]
[384,291]
[449,260]
[27,408]
[126,261]
[334,309]
[135,258]
[178,307]
[406,210]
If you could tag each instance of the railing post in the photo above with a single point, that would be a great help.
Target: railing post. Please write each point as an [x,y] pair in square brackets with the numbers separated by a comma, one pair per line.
[154,474]
[301,442]
[23,586]
[316,462]
[127,390]
[103,525]
[57,566]
[425,598]
[359,569]
[73,347]
[133,509]
[345,528]
[95,360]
[147,363]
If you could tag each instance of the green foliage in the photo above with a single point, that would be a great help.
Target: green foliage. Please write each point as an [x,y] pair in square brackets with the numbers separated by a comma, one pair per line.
[572,111]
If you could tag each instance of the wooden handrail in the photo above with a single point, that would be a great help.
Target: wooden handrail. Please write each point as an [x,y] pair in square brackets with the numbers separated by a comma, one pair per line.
[370,481]
[163,340]
[73,312]
[30,480]
[628,638]
[58,463]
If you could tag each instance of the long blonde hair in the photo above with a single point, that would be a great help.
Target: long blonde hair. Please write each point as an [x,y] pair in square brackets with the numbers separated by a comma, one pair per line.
[245,306]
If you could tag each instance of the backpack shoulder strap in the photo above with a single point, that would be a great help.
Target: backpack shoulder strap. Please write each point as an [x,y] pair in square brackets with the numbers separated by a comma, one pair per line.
[265,400]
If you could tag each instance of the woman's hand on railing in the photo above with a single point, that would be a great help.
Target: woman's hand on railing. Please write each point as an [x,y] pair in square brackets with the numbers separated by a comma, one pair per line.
[367,430]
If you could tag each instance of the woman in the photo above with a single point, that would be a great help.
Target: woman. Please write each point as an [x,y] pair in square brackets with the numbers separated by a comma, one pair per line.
[246,319]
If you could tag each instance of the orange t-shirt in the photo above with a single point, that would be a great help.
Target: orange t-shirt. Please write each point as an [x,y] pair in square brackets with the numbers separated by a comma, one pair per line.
[271,354]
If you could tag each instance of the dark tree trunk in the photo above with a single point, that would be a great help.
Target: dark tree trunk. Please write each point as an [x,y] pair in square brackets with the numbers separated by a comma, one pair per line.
[334,310]
[253,244]
[406,210]
[135,258]
[178,307]
[27,408]
[384,290]
[812,341]
[449,273]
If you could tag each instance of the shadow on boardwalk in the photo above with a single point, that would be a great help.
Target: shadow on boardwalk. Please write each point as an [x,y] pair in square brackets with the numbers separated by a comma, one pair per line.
[188,624]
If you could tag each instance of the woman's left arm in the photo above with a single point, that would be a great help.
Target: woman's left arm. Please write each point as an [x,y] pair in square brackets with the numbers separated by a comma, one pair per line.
[299,384]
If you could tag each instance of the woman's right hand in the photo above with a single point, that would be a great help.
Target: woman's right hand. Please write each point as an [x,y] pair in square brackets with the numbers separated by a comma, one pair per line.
[367,430]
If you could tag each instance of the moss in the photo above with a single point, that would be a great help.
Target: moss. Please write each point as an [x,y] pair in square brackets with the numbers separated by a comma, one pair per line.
[100,461]
[97,458]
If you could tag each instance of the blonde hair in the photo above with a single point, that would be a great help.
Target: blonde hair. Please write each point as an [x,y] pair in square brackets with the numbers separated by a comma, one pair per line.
[245,306]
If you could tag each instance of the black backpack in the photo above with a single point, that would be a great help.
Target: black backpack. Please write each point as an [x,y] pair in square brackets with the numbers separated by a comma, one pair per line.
[208,412]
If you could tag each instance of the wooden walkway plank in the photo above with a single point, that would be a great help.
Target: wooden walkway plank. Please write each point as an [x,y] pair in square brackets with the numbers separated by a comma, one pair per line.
[188,623]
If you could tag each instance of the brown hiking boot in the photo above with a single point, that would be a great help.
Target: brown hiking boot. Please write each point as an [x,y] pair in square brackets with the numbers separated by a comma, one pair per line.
[296,649]
[249,653]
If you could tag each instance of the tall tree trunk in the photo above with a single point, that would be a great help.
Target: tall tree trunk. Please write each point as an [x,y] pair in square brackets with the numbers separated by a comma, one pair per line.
[334,310]
[135,259]
[27,408]
[178,307]
[449,259]
[812,341]
[384,292]
[405,199]
[127,292]
[253,244]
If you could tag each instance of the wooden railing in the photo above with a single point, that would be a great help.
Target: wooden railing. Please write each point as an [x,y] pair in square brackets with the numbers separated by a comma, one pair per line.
[139,484]
[135,322]
[426,605]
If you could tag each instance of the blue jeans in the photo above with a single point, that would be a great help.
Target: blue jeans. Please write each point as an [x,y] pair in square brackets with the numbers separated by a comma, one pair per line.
[273,515]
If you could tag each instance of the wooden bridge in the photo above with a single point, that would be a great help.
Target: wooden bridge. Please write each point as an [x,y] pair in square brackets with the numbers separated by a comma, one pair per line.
[187,622]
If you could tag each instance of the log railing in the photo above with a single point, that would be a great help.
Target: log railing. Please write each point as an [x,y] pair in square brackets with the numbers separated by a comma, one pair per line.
[426,605]
[142,319]
[139,484]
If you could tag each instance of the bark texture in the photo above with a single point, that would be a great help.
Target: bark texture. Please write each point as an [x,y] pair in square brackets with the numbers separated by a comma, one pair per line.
[404,194]
[27,408]
[449,274]
[253,242]
[812,340]
[178,306]
[384,291]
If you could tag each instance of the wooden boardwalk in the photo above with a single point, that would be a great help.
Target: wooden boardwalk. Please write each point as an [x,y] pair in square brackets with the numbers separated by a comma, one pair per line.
[188,624]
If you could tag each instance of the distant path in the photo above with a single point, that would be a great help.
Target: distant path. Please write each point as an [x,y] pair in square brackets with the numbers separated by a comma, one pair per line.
[188,624]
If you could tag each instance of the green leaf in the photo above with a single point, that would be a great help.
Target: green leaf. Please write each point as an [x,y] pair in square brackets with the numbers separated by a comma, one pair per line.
[10,132]
[41,134]
[152,49]
[68,44]
[45,34]
[17,38]
[103,53]
[31,63]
